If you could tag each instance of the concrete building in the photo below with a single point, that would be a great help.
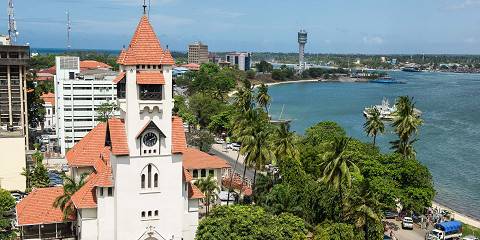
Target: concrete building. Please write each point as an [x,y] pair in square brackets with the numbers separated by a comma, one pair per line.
[49,121]
[302,40]
[78,95]
[197,53]
[241,60]
[136,187]
[13,114]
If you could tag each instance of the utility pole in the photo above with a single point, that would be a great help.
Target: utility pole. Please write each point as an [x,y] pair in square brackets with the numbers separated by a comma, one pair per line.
[12,24]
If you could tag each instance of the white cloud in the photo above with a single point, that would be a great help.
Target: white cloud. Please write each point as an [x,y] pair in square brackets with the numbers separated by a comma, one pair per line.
[463,4]
[373,40]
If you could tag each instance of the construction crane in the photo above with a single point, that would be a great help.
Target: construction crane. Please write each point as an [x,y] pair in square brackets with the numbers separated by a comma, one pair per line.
[12,24]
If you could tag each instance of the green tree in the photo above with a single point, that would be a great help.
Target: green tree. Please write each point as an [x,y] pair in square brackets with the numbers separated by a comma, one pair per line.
[263,99]
[35,108]
[284,144]
[406,123]
[106,111]
[7,203]
[249,222]
[37,175]
[210,189]
[264,67]
[201,139]
[335,231]
[70,187]
[204,106]
[374,125]
[337,164]
[250,74]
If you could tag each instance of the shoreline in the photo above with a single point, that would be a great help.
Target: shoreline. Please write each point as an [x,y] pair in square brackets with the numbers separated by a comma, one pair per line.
[459,216]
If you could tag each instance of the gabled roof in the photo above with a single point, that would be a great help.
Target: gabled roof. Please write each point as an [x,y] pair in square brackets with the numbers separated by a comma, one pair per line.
[37,207]
[144,47]
[92,64]
[150,125]
[118,137]
[119,77]
[150,78]
[86,152]
[196,159]
[194,192]
[48,98]
[179,142]
[86,196]
[187,177]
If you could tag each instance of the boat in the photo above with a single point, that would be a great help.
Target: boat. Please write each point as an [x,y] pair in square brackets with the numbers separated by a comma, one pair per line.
[387,112]
[411,69]
[387,80]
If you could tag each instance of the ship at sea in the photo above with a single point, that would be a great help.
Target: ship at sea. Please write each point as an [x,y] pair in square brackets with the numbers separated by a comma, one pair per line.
[387,112]
[411,69]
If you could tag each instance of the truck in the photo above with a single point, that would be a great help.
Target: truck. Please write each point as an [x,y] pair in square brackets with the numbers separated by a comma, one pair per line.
[446,230]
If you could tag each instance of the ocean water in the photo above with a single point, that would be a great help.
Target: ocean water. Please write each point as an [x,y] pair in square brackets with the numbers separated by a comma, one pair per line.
[449,140]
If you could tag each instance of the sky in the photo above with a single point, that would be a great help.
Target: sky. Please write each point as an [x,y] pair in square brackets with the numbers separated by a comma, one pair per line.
[333,26]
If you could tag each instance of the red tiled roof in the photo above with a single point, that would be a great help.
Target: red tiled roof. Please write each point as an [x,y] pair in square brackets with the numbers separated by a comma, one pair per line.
[167,58]
[237,184]
[144,47]
[88,150]
[37,207]
[192,66]
[44,78]
[49,98]
[187,177]
[92,64]
[196,159]
[118,137]
[179,143]
[119,77]
[104,170]
[52,70]
[86,196]
[150,78]
[194,192]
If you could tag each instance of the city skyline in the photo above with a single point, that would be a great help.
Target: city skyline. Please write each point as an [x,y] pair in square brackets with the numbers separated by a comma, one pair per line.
[369,27]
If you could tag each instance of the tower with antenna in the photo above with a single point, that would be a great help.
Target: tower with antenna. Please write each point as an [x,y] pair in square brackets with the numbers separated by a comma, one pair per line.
[69,29]
[302,40]
[12,24]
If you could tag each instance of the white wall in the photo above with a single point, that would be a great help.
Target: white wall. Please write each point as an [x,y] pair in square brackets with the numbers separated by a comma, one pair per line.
[106,213]
[12,162]
[88,224]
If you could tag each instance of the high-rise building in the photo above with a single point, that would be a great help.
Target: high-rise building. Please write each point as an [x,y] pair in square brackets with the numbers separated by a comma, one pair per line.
[197,53]
[302,40]
[242,60]
[13,114]
[79,94]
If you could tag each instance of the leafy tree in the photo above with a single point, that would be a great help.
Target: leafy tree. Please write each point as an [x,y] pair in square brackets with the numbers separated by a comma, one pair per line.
[210,189]
[201,139]
[250,74]
[222,122]
[106,111]
[284,144]
[70,186]
[335,231]
[374,124]
[35,108]
[7,203]
[37,175]
[249,222]
[264,67]
[203,107]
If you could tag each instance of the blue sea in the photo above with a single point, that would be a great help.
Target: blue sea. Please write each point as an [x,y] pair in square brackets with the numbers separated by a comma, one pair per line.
[449,140]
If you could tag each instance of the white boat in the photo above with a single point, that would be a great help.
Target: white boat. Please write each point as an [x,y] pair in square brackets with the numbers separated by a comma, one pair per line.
[386,112]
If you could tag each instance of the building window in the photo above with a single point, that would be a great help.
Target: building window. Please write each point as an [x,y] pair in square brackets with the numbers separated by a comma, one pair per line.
[203,173]
[155,180]
[149,176]
[149,213]
[195,173]
[156,213]
[151,92]
[71,75]
[101,191]
[143,180]
[110,191]
[211,172]
[143,214]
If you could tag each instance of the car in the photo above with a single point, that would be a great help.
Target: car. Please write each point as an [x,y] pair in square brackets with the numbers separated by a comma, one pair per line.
[390,214]
[219,141]
[469,237]
[407,223]
[235,146]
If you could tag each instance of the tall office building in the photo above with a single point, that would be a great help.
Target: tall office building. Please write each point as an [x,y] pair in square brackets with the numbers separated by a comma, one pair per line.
[302,40]
[197,53]
[78,95]
[13,114]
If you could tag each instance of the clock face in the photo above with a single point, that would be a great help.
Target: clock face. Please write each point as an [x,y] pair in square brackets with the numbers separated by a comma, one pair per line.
[150,139]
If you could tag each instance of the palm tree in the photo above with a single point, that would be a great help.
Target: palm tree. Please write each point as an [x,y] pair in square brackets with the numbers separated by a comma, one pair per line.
[263,99]
[284,143]
[374,125]
[406,123]
[210,189]
[70,186]
[364,208]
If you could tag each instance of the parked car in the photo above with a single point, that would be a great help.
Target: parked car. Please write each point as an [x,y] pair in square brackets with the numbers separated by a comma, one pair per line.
[469,237]
[219,141]
[407,223]
[234,146]
[390,214]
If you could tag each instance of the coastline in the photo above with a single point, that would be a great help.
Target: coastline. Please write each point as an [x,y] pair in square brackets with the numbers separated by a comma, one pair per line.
[459,216]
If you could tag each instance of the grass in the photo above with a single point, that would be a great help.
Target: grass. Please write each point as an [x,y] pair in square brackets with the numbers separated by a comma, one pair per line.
[470,230]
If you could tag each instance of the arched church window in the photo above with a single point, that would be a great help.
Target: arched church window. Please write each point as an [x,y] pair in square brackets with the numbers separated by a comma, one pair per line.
[155,180]
[149,175]
[143,180]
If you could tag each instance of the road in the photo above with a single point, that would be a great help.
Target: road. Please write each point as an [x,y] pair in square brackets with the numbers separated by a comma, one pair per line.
[404,234]
[230,156]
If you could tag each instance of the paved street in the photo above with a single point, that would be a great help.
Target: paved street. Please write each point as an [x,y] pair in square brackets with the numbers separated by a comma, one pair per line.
[231,156]
[401,234]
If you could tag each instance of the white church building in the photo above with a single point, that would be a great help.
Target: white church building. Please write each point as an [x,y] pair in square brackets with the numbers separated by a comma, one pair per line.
[136,187]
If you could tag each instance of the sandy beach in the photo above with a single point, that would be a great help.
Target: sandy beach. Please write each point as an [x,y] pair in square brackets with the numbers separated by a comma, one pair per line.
[458,216]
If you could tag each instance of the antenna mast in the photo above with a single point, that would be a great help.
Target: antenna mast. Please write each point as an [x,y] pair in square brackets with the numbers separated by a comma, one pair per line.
[12,24]
[69,29]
